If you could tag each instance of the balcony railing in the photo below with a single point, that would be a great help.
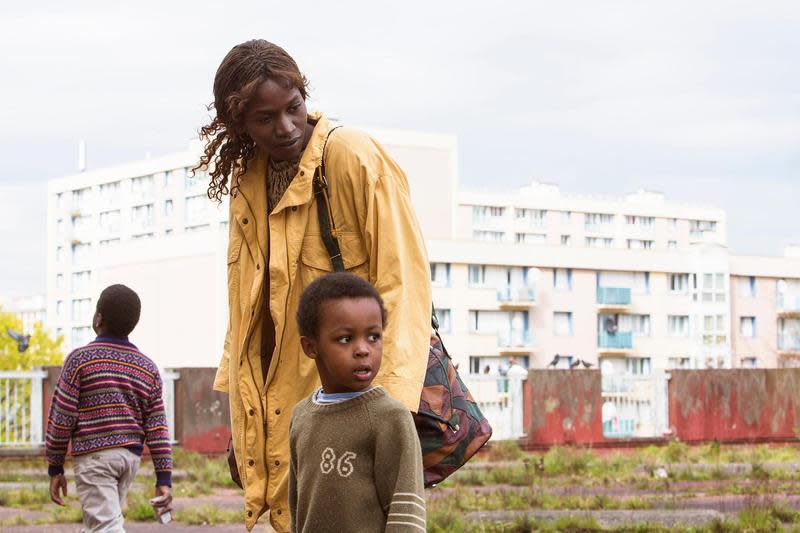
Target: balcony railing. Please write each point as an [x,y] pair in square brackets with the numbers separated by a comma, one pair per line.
[613,295]
[788,343]
[516,294]
[789,302]
[513,339]
[619,428]
[622,340]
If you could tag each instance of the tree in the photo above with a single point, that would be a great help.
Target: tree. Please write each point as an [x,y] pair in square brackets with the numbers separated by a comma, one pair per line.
[43,348]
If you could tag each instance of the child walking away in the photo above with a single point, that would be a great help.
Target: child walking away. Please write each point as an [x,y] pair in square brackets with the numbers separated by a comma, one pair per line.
[356,463]
[108,403]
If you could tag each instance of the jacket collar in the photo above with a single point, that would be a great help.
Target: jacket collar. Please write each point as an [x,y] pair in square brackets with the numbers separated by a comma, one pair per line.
[252,185]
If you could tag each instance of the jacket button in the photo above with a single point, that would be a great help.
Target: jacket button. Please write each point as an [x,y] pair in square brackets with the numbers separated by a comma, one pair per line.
[277,462]
[277,411]
[294,208]
[251,462]
[302,173]
[249,513]
[258,267]
[252,412]
[244,221]
[279,511]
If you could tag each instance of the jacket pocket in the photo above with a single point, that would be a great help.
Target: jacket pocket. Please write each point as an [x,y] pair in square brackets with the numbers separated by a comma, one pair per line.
[315,261]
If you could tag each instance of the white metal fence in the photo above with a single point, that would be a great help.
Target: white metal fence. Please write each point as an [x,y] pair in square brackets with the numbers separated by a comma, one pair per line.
[21,407]
[500,400]
[635,405]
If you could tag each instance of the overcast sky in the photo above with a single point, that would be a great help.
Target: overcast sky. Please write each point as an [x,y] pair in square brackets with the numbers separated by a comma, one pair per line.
[700,100]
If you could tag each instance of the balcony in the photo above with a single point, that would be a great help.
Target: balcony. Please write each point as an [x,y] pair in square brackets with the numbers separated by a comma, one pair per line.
[511,297]
[514,342]
[788,343]
[789,305]
[619,342]
[613,297]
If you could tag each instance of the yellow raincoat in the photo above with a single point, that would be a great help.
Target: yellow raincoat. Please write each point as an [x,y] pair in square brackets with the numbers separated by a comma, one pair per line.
[380,240]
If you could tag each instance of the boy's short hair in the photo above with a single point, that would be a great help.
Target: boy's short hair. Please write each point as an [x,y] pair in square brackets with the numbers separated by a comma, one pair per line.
[120,308]
[333,286]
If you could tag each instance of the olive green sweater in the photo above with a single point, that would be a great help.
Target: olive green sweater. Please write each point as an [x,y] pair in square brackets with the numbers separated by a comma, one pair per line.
[356,466]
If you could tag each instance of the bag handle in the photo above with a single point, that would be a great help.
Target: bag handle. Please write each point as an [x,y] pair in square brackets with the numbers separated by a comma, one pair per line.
[327,226]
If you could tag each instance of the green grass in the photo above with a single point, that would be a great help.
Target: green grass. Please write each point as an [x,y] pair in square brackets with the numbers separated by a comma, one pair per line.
[208,515]
[139,508]
[27,497]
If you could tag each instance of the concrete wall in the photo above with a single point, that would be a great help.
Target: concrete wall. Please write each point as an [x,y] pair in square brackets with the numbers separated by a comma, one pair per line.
[735,405]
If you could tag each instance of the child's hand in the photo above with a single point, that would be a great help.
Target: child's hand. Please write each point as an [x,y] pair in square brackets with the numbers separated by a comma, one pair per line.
[162,503]
[58,483]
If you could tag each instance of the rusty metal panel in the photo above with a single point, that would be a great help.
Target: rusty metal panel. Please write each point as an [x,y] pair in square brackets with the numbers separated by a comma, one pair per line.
[735,404]
[202,415]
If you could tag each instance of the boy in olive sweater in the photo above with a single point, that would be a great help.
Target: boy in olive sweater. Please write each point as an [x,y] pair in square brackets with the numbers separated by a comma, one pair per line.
[356,463]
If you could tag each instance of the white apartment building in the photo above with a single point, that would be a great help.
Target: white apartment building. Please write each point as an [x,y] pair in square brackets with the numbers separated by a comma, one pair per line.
[29,309]
[631,285]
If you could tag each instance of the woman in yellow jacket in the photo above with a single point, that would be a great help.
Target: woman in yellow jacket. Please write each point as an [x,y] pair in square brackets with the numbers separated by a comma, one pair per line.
[263,149]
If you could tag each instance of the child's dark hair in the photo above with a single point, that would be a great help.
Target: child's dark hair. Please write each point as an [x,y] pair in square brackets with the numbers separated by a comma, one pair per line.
[332,287]
[119,307]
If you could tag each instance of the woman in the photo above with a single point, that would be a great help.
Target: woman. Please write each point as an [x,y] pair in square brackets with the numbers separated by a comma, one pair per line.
[263,148]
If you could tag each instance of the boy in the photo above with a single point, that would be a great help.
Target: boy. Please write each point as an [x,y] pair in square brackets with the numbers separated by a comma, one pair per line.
[356,463]
[108,403]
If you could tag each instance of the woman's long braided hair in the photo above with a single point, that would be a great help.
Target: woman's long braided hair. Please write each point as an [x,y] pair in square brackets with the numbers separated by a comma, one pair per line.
[228,148]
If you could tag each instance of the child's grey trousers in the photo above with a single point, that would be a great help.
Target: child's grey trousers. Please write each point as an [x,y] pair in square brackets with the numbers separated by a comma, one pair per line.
[103,479]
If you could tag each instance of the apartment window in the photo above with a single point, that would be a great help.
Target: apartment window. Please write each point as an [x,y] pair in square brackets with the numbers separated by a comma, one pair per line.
[81,336]
[61,227]
[223,224]
[641,282]
[678,282]
[110,221]
[142,187]
[562,324]
[167,208]
[80,252]
[713,287]
[640,244]
[638,366]
[109,192]
[59,254]
[488,236]
[477,275]
[167,178]
[562,279]
[194,180]
[714,330]
[697,227]
[440,274]
[60,308]
[59,281]
[746,286]
[749,362]
[168,231]
[641,222]
[638,324]
[81,310]
[142,217]
[598,221]
[599,242]
[673,223]
[108,242]
[193,229]
[443,316]
[566,240]
[530,238]
[747,326]
[80,198]
[535,218]
[672,245]
[486,213]
[61,202]
[678,325]
[80,281]
[142,236]
[566,217]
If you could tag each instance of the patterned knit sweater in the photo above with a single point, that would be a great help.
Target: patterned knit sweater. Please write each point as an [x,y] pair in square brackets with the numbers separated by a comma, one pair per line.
[108,396]
[356,466]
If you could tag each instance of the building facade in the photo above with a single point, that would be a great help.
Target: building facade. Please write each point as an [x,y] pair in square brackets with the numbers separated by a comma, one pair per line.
[630,285]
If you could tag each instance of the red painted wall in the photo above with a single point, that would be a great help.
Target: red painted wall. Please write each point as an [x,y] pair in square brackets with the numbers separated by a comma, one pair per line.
[735,405]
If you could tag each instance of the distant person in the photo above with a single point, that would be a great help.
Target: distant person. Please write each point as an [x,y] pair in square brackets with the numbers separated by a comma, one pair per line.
[264,149]
[356,463]
[516,370]
[486,369]
[108,402]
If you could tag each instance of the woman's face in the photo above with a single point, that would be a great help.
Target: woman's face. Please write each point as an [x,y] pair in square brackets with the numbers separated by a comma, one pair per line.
[276,120]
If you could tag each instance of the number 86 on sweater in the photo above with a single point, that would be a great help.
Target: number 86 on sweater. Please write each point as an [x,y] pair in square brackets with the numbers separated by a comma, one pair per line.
[344,465]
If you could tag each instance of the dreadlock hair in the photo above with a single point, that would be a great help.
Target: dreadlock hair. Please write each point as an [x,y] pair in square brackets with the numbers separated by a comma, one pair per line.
[120,308]
[335,286]
[228,148]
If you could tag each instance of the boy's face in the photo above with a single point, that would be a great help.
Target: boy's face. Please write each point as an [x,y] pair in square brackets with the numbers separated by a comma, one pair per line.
[349,347]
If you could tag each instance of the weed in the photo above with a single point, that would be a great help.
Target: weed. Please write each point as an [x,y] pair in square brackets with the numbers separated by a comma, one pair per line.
[207,515]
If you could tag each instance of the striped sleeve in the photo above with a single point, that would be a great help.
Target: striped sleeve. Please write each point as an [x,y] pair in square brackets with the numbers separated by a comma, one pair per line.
[156,435]
[63,416]
[399,479]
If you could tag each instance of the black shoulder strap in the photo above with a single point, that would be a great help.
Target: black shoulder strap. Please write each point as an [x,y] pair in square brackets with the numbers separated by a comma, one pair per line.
[327,226]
